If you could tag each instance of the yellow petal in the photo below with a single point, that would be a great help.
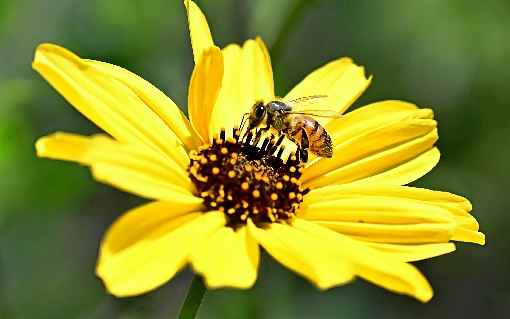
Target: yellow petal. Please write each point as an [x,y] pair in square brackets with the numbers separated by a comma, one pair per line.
[408,253]
[341,80]
[155,99]
[390,233]
[378,114]
[303,254]
[140,223]
[456,204]
[467,235]
[392,214]
[372,116]
[406,172]
[378,268]
[363,151]
[248,78]
[106,101]
[133,168]
[227,258]
[204,88]
[159,249]
[199,31]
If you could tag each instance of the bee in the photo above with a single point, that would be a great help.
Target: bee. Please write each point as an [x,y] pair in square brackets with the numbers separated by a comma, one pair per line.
[298,126]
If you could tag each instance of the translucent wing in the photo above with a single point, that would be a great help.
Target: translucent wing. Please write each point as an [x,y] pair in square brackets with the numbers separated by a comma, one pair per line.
[302,105]
[317,113]
[306,99]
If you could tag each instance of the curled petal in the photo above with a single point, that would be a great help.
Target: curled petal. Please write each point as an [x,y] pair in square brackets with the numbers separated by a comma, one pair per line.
[204,88]
[200,34]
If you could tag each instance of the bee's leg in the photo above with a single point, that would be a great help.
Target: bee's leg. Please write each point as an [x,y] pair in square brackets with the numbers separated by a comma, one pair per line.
[303,149]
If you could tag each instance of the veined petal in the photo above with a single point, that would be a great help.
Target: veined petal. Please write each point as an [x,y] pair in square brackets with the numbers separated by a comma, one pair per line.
[363,151]
[378,268]
[133,168]
[227,258]
[155,99]
[248,78]
[199,31]
[342,81]
[392,214]
[204,88]
[106,101]
[303,254]
[158,251]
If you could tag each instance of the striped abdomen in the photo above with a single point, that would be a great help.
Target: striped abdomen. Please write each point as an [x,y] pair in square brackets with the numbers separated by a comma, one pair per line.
[319,141]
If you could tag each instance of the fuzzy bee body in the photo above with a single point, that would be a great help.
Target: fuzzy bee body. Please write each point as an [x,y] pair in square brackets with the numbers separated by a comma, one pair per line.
[304,129]
[299,127]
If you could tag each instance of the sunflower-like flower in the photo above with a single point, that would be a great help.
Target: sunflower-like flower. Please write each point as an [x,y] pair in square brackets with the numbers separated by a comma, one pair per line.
[218,196]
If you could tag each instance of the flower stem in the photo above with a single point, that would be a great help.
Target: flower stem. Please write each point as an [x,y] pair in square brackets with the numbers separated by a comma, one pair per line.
[194,296]
[288,24]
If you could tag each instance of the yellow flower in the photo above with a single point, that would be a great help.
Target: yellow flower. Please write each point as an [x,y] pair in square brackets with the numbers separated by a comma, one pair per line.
[216,200]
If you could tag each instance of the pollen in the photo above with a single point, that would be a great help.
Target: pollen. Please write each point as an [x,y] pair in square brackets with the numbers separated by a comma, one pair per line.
[246,178]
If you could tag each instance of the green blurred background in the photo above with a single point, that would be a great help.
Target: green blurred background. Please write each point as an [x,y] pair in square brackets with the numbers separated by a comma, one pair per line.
[450,55]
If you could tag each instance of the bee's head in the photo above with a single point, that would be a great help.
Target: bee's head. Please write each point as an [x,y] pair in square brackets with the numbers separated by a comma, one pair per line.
[258,111]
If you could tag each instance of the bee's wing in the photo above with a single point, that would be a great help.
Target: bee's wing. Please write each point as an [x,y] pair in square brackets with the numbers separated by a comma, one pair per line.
[302,105]
[306,100]
[317,113]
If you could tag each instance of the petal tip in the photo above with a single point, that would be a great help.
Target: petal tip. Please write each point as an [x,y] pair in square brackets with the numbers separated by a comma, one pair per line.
[481,240]
[424,295]
[40,146]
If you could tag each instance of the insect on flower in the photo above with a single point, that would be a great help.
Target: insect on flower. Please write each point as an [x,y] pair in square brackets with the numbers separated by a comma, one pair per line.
[217,196]
[297,124]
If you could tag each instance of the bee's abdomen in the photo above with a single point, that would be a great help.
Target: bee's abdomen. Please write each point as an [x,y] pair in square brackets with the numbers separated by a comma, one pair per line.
[319,139]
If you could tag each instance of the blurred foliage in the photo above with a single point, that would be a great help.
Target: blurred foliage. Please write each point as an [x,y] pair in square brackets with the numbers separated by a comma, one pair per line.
[450,55]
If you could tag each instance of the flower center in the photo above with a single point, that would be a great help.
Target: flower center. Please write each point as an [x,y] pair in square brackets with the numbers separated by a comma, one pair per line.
[248,179]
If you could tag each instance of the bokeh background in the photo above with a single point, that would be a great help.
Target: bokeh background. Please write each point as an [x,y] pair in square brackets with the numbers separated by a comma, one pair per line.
[450,55]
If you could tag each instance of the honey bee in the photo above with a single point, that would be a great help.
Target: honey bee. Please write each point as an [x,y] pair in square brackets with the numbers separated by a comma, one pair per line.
[298,126]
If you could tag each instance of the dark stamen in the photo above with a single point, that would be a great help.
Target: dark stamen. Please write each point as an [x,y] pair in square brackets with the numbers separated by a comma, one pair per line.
[246,181]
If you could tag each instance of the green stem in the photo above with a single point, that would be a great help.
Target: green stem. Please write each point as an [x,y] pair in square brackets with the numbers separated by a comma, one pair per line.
[193,299]
[288,24]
